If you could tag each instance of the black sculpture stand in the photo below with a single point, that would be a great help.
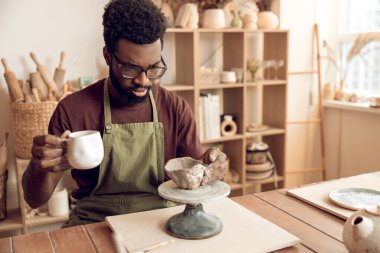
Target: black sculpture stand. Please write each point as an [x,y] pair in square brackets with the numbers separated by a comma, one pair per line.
[194,223]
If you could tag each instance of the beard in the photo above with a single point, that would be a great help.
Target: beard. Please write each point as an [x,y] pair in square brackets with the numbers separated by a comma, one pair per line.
[126,95]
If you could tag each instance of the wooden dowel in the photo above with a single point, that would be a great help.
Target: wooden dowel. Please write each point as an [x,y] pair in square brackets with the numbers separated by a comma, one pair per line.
[35,94]
[34,58]
[311,170]
[306,72]
[5,64]
[61,60]
[311,121]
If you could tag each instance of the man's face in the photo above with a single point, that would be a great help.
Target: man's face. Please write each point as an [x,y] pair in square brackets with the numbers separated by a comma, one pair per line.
[129,55]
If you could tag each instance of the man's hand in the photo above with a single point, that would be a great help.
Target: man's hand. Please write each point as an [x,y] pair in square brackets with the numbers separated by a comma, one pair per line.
[49,153]
[216,165]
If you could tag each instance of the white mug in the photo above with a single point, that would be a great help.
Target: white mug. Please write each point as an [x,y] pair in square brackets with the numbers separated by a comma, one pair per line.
[85,149]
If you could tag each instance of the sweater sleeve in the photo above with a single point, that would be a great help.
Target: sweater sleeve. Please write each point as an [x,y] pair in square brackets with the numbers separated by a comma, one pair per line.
[59,121]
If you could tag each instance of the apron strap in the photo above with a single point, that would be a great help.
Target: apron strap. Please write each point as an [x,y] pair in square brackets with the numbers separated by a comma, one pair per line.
[107,109]
[154,108]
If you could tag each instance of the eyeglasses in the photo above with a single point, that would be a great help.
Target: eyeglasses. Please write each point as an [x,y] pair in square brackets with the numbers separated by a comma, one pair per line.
[130,71]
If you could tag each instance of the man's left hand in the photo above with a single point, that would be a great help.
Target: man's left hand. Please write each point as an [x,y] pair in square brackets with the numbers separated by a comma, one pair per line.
[216,162]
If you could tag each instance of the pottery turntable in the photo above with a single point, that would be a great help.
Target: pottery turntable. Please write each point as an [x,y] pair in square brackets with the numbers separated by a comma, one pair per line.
[194,222]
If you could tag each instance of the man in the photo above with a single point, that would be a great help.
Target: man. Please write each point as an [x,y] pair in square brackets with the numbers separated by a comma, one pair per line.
[143,125]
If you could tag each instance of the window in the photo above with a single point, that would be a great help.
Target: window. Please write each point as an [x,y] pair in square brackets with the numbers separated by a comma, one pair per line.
[362,71]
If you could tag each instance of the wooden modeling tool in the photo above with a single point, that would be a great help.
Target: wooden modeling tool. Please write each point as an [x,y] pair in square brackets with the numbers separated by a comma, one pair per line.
[35,94]
[59,73]
[37,82]
[50,96]
[46,76]
[14,88]
[26,91]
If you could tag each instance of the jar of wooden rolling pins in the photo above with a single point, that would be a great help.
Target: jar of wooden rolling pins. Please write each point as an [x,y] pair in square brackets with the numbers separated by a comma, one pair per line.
[29,120]
[34,101]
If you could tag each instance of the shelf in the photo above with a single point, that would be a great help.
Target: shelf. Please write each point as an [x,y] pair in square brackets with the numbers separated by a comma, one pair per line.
[42,220]
[267,83]
[178,87]
[220,86]
[224,30]
[270,131]
[12,222]
[269,180]
[180,30]
[224,138]
[235,186]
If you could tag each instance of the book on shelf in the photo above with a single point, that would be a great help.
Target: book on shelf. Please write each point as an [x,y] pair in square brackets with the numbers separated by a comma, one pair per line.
[209,116]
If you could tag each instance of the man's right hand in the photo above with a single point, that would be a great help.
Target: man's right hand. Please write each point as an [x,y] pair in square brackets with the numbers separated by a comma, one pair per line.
[49,153]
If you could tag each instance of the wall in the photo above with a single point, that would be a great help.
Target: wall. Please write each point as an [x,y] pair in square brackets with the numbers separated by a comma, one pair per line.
[303,139]
[351,140]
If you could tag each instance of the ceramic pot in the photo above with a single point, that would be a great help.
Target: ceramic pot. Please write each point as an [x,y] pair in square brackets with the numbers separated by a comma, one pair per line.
[213,18]
[250,21]
[186,173]
[58,203]
[361,231]
[267,20]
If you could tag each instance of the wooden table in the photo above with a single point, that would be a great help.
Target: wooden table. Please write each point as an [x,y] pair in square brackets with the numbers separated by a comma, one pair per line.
[319,231]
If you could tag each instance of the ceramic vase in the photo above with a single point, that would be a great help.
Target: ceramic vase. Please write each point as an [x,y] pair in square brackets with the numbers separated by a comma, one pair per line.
[213,19]
[267,20]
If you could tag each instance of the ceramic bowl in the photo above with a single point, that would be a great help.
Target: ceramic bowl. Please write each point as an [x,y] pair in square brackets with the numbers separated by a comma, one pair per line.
[185,172]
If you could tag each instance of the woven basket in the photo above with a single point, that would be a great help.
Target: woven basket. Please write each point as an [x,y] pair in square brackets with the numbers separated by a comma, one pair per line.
[29,120]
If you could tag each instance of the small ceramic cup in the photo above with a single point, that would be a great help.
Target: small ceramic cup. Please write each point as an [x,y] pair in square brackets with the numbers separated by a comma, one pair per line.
[85,149]
[228,77]
[58,203]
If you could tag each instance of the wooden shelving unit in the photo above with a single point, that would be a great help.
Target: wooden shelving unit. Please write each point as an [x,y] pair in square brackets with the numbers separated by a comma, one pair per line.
[268,95]
[16,219]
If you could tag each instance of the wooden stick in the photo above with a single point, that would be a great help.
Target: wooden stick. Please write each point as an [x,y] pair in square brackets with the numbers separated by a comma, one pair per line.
[14,88]
[35,93]
[5,64]
[61,60]
[306,72]
[59,73]
[320,107]
[27,93]
[44,73]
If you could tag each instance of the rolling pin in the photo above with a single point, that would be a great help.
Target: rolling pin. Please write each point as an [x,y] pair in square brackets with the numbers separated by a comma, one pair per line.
[37,82]
[14,88]
[26,91]
[35,94]
[59,73]
[45,76]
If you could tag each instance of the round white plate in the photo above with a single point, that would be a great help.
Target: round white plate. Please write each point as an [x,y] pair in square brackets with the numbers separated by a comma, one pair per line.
[258,175]
[355,198]
[169,190]
[259,167]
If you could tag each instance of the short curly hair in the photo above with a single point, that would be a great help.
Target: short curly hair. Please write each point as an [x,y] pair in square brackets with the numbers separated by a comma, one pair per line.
[139,21]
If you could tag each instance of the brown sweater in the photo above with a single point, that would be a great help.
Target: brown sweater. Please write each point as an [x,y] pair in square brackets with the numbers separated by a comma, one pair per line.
[83,110]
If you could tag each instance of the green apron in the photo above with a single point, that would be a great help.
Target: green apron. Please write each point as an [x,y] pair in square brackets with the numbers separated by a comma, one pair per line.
[130,173]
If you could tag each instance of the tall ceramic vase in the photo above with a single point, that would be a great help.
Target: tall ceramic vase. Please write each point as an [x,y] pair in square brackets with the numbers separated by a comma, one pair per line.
[267,20]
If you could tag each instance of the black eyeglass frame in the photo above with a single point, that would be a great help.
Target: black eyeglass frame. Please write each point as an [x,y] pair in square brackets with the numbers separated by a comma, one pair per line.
[122,66]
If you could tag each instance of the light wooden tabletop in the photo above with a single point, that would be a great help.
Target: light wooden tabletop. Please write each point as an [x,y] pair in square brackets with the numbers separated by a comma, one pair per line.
[319,231]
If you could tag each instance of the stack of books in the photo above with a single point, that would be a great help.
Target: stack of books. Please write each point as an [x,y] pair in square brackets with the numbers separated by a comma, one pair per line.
[209,113]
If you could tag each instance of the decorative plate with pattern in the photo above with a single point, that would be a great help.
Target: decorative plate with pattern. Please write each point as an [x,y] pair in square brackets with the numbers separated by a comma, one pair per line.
[355,198]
